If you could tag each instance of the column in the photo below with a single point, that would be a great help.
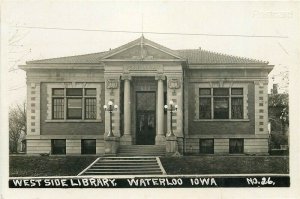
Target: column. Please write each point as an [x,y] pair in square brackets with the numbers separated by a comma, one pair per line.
[127,137]
[160,137]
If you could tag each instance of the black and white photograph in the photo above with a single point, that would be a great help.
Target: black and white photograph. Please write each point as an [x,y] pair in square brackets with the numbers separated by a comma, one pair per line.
[134,98]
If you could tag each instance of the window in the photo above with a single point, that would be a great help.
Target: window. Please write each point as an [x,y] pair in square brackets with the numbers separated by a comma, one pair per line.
[236,146]
[237,103]
[58,147]
[88,146]
[58,104]
[221,103]
[207,146]
[90,108]
[58,108]
[80,103]
[205,103]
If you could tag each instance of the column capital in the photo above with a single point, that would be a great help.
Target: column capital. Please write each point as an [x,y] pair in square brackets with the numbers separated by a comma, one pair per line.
[160,77]
[126,77]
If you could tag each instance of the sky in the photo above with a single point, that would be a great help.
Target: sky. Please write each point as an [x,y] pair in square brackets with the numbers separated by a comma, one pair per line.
[267,19]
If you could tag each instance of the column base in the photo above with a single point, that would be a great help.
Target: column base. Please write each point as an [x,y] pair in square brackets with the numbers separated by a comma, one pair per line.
[126,140]
[111,145]
[171,145]
[160,140]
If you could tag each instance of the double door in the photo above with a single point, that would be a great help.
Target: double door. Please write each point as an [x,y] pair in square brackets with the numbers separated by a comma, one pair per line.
[145,118]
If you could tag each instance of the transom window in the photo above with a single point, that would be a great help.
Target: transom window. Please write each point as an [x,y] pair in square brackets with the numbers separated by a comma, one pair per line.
[74,103]
[221,103]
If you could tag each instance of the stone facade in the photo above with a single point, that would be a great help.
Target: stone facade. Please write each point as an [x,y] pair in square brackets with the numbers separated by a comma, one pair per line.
[126,76]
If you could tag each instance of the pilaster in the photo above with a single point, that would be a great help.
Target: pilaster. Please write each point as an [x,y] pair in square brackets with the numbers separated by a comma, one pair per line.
[175,93]
[261,107]
[33,108]
[112,92]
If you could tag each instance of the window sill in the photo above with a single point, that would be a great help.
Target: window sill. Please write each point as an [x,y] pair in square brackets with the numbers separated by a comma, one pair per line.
[73,121]
[222,120]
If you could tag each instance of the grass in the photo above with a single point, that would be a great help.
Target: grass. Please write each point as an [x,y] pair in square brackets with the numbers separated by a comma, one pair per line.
[72,165]
[48,165]
[226,164]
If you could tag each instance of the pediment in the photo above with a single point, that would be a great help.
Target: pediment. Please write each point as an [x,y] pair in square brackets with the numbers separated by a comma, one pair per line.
[142,49]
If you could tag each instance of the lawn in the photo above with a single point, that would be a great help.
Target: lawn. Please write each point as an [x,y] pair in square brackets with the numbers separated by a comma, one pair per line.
[72,165]
[48,165]
[226,164]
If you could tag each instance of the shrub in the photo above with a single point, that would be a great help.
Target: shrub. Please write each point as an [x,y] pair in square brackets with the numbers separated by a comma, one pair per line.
[278,139]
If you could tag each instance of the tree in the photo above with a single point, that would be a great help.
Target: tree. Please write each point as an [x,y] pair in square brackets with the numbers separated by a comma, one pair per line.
[17,125]
[279,111]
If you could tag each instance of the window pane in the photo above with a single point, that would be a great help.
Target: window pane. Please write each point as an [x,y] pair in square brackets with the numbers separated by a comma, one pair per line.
[74,113]
[88,146]
[204,91]
[206,146]
[58,91]
[74,91]
[58,146]
[74,109]
[236,91]
[90,92]
[74,103]
[204,108]
[221,91]
[236,145]
[58,108]
[221,108]
[90,108]
[237,108]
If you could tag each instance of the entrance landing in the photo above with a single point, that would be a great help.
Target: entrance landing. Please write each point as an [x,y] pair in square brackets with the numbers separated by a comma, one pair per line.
[142,150]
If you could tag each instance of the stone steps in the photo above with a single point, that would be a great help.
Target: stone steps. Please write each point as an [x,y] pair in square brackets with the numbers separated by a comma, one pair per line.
[124,166]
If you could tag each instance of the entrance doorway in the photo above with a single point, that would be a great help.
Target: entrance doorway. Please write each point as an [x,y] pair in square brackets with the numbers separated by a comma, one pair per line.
[145,117]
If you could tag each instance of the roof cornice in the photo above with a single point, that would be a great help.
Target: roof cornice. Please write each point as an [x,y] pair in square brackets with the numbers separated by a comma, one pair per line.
[99,66]
[231,66]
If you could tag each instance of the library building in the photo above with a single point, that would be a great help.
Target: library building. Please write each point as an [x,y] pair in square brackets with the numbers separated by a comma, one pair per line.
[143,98]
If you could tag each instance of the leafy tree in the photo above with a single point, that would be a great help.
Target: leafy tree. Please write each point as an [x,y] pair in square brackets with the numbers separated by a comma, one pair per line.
[17,125]
[279,111]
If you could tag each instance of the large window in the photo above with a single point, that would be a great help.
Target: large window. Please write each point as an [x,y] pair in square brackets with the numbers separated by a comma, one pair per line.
[80,103]
[207,146]
[236,146]
[221,103]
[58,147]
[88,146]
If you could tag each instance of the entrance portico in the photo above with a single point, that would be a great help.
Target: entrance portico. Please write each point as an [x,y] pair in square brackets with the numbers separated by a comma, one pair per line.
[135,73]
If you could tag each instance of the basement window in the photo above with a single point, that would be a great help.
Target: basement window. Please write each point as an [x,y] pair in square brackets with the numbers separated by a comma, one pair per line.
[88,146]
[236,146]
[207,146]
[58,147]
